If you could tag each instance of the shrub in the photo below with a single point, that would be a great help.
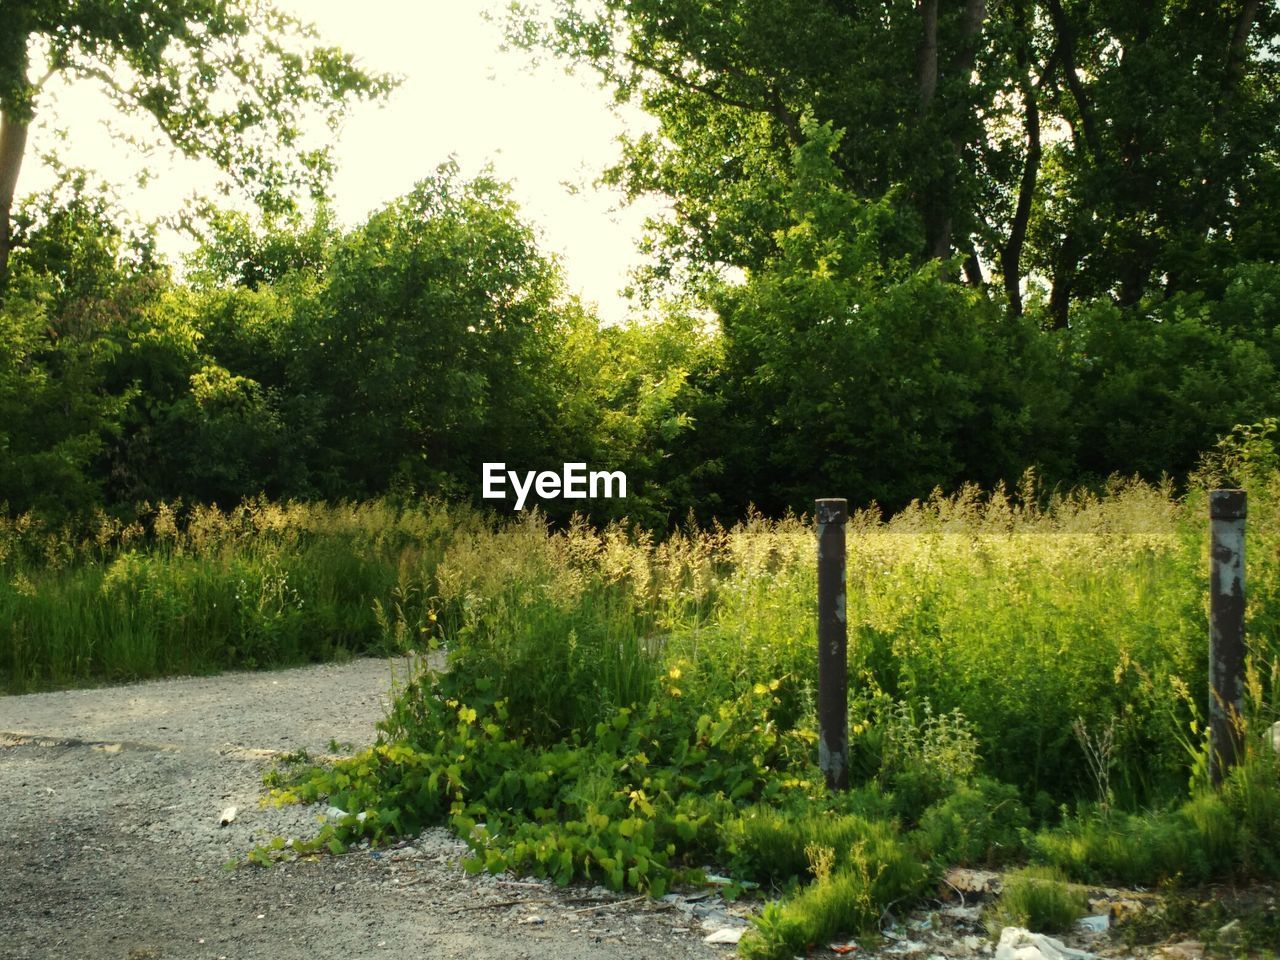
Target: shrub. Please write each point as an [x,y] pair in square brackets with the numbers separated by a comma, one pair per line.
[1039,899]
[979,823]
[769,845]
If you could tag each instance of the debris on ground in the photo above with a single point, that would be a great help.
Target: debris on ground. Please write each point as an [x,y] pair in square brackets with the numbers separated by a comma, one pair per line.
[725,935]
[1018,943]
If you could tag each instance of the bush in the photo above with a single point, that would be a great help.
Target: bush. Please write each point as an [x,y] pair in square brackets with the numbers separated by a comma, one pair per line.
[978,824]
[1039,899]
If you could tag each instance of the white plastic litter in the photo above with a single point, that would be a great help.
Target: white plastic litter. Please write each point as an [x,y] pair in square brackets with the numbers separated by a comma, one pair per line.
[1017,943]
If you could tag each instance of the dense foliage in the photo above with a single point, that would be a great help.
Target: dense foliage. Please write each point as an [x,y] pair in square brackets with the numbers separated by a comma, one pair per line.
[909,246]
[301,359]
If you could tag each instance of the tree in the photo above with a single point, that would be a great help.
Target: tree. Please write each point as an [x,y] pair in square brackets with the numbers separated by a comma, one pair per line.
[77,275]
[731,85]
[231,80]
[851,368]
[1120,150]
[429,342]
[1169,174]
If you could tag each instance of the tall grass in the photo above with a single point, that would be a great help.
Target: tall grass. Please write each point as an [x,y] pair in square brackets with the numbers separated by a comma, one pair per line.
[1024,615]
[262,585]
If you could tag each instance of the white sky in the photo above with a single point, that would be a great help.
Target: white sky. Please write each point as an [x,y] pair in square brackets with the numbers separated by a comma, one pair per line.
[461,95]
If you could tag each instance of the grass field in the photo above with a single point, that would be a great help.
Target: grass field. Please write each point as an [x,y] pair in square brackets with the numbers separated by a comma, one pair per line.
[1027,684]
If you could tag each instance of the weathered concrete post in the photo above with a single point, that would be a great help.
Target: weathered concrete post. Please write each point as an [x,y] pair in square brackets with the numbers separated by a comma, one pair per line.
[1227,510]
[833,640]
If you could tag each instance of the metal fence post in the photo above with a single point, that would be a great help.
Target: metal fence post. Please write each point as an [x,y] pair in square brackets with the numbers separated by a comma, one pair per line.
[833,671]
[1227,509]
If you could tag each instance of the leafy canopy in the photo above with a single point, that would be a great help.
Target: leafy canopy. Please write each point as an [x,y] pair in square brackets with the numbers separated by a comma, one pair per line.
[232,80]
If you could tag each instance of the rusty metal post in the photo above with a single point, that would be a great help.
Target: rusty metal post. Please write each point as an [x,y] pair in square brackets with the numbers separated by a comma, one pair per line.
[1227,509]
[833,657]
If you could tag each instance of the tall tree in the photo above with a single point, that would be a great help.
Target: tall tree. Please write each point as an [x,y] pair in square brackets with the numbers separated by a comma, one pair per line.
[1120,150]
[731,84]
[231,80]
[1170,165]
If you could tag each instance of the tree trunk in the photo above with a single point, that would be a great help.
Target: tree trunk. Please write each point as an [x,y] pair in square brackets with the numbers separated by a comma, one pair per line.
[927,64]
[1238,52]
[1064,274]
[973,268]
[1011,255]
[13,144]
[933,206]
[939,202]
[975,12]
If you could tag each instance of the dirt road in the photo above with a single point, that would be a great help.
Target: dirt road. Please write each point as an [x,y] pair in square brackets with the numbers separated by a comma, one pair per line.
[110,844]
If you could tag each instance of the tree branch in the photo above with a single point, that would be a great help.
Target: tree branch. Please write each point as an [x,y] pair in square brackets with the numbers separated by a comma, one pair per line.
[1067,43]
[775,107]
[1237,55]
[13,145]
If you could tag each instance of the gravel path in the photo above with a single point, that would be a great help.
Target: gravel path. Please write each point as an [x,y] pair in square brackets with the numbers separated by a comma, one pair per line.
[110,844]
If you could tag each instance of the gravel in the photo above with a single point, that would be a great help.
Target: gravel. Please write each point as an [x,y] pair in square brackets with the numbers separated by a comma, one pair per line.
[111,844]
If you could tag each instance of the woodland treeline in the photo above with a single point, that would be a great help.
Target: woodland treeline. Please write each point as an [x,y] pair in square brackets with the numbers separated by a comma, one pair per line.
[909,245]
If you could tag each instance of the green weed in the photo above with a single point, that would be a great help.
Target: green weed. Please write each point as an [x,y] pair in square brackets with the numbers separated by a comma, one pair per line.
[1038,898]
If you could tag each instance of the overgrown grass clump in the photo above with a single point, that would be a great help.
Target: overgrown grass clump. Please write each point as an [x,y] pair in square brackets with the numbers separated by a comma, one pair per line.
[1039,899]
[1234,831]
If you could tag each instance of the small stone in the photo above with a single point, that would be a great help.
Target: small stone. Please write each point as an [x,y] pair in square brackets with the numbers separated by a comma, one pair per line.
[1124,910]
[724,935]
[1185,950]
[973,881]
[1229,933]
